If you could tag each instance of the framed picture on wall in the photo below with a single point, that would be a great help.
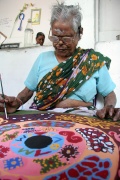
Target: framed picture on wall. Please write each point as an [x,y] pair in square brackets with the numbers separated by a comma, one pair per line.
[35,16]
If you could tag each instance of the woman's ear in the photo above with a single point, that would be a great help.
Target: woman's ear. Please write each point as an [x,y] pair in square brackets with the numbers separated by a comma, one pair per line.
[80,31]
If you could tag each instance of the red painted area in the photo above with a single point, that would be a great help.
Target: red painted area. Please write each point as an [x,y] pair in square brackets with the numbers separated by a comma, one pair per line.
[80,168]
[103,174]
[95,169]
[94,158]
[82,178]
[88,173]
[73,173]
[71,136]
[63,176]
[89,164]
[106,164]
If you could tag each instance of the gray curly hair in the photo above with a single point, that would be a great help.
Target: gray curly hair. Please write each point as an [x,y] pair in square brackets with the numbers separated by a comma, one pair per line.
[64,12]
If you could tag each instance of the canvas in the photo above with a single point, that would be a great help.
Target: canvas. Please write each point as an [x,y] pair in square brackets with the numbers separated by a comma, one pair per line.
[58,146]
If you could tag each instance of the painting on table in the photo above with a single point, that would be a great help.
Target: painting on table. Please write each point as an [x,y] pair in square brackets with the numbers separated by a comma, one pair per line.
[52,146]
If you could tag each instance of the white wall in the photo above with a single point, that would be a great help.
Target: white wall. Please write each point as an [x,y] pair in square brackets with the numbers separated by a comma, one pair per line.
[109,19]
[9,9]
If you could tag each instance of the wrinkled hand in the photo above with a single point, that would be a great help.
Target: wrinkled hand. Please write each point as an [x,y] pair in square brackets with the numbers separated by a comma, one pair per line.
[109,112]
[11,103]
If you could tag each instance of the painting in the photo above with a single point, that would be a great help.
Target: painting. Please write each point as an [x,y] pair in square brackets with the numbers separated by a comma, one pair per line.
[35,16]
[49,145]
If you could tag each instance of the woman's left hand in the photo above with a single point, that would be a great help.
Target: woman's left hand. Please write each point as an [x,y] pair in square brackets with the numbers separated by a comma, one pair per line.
[109,112]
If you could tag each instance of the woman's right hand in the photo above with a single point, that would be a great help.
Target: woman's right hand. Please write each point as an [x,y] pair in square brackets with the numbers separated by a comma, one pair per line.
[12,104]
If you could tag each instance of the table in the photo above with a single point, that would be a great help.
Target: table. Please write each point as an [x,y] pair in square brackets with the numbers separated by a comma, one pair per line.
[36,145]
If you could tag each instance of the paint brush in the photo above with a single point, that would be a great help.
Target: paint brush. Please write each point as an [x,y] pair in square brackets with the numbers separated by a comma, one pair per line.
[5,110]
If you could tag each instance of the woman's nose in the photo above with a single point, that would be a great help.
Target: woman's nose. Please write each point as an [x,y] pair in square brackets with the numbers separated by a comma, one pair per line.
[60,41]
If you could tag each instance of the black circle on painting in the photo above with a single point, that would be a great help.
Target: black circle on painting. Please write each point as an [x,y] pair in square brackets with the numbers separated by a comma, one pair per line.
[38,142]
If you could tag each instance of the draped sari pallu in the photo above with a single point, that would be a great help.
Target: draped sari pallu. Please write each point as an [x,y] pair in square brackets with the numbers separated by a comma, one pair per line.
[67,77]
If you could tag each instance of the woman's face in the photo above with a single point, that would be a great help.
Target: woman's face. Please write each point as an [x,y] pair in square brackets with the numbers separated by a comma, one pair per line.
[64,48]
[40,40]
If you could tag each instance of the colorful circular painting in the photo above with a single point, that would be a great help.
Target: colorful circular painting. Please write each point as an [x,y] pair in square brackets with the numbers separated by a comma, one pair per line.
[57,147]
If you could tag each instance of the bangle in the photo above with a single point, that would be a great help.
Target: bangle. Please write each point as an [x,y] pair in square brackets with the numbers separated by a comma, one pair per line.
[19,100]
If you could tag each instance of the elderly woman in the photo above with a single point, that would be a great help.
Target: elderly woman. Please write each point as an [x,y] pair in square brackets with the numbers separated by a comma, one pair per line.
[68,76]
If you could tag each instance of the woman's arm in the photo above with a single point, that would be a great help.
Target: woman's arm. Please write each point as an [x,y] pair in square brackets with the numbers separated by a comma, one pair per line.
[109,110]
[25,95]
[110,99]
[13,103]
[71,103]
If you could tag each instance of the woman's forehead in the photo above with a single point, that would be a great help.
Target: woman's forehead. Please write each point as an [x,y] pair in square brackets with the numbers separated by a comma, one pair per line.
[41,36]
[59,31]
[62,27]
[61,23]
